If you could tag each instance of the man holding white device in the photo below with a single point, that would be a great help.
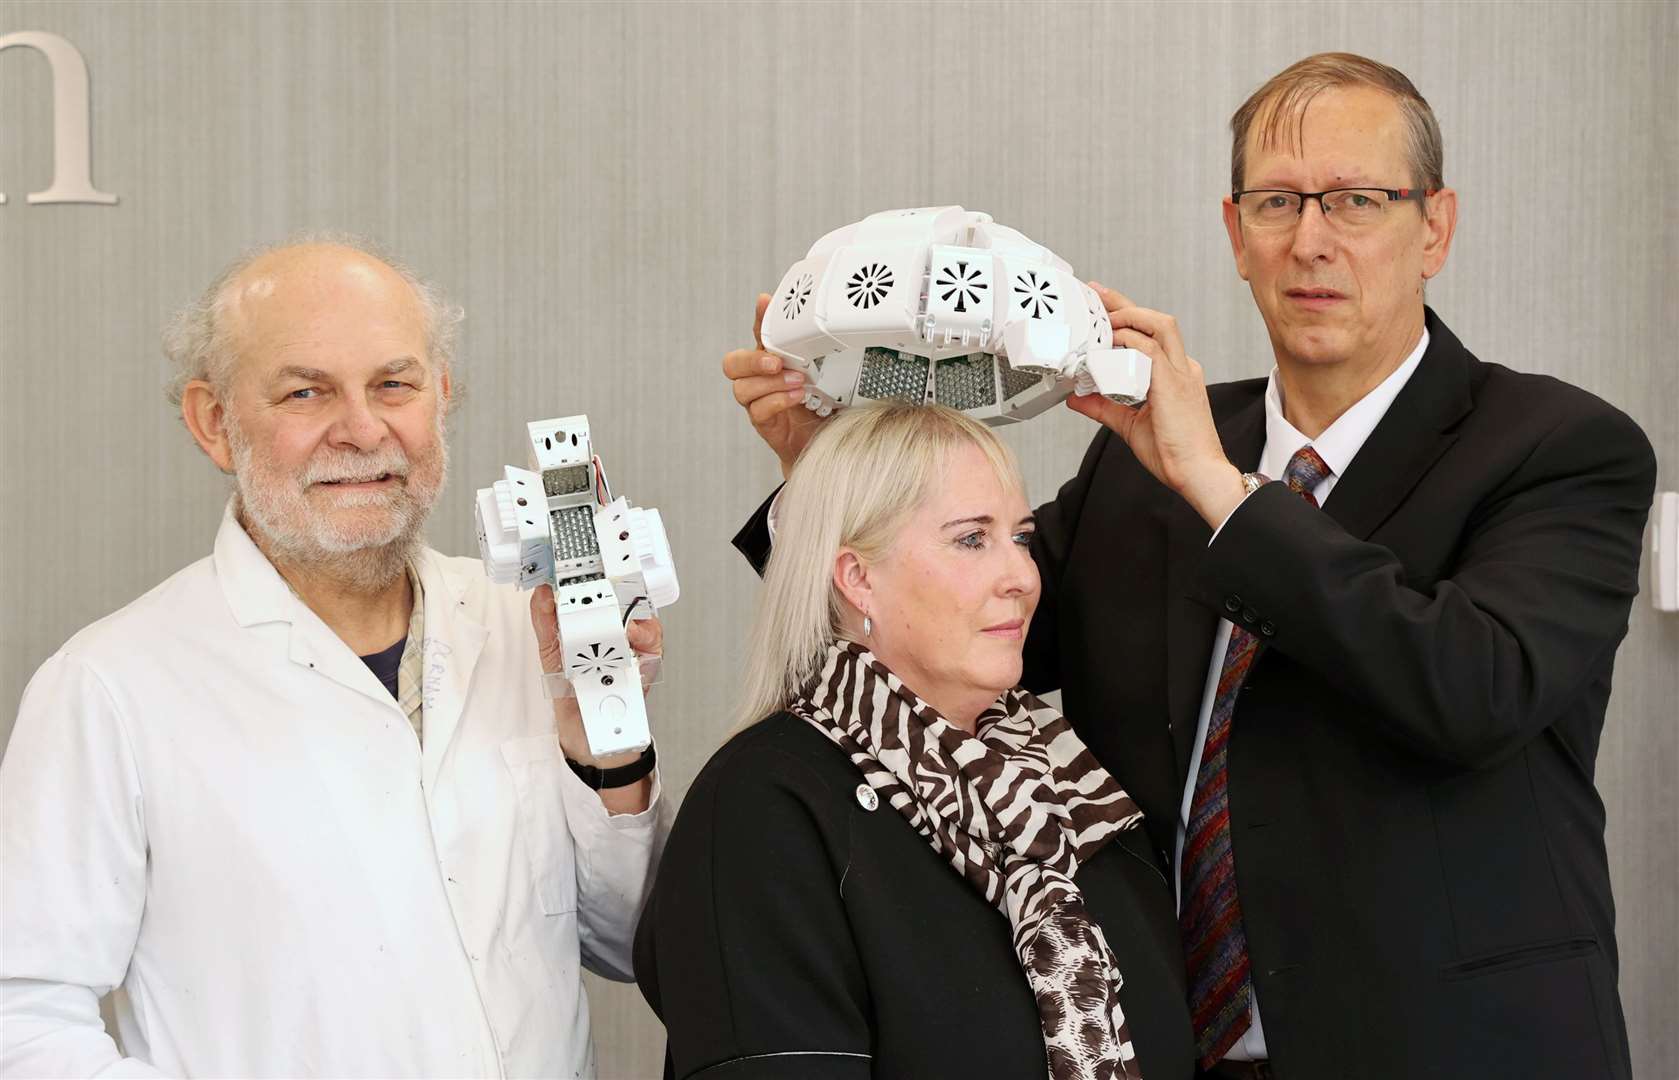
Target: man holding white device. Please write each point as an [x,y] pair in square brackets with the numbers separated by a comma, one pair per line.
[1346,633]
[306,801]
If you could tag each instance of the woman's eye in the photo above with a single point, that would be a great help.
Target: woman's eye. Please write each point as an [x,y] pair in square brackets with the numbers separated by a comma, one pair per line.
[1024,537]
[975,540]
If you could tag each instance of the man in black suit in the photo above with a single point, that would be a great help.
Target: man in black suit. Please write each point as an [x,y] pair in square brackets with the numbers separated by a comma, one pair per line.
[1360,707]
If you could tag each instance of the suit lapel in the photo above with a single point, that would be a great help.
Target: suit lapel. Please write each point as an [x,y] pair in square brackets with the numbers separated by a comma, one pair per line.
[1190,626]
[1409,439]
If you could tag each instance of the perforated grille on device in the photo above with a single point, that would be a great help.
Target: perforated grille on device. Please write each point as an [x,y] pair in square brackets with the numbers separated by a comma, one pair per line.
[1017,382]
[890,375]
[566,480]
[574,533]
[966,382]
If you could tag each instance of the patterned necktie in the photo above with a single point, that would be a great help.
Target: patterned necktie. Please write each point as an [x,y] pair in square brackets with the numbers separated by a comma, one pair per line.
[1210,913]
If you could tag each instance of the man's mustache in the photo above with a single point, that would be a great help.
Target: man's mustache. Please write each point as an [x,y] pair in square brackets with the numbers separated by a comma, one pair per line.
[343,468]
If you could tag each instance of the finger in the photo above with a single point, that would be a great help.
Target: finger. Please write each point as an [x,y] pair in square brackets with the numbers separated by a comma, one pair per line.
[1112,299]
[1124,337]
[768,408]
[743,362]
[1156,324]
[646,636]
[1108,413]
[542,611]
[753,387]
[544,622]
[758,319]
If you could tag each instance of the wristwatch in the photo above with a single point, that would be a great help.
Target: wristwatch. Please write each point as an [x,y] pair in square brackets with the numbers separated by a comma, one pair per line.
[1253,481]
[597,778]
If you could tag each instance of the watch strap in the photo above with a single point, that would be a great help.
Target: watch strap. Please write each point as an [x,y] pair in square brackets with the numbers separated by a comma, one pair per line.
[598,778]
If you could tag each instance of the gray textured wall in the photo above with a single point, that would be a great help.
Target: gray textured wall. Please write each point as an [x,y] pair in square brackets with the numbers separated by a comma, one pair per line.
[605,188]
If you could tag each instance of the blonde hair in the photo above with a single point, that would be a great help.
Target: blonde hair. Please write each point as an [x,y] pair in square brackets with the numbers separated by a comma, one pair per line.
[1279,106]
[854,486]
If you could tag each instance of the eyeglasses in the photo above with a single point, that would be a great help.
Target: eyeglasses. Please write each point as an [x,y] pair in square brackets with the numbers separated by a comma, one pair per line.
[1351,208]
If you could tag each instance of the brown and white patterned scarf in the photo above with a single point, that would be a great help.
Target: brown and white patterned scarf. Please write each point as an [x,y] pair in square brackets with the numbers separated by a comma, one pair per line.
[1016,808]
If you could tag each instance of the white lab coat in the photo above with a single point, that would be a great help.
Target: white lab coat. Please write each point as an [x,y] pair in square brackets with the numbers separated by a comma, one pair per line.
[211,801]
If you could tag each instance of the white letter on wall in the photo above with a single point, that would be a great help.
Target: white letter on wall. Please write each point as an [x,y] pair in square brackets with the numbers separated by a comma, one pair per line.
[72,150]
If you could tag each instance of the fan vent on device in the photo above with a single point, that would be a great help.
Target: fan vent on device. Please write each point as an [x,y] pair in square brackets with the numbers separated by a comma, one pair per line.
[1102,329]
[869,285]
[798,294]
[1036,296]
[594,660]
[964,283]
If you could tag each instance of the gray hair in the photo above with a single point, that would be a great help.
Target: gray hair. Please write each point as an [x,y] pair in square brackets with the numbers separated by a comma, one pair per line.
[854,486]
[198,345]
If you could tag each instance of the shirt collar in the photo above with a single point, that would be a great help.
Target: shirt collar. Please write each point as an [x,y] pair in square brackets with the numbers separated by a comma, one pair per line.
[1340,441]
[255,591]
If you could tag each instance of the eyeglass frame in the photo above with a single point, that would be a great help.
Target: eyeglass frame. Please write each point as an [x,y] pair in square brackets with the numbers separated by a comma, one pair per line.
[1416,195]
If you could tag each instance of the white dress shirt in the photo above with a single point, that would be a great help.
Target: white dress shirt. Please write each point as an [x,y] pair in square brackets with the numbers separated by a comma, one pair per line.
[212,802]
[1337,445]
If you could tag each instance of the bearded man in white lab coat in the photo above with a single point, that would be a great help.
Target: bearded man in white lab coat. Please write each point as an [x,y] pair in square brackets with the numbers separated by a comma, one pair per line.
[300,848]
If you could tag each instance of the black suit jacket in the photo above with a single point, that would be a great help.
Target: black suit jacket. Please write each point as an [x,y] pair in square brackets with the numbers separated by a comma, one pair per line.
[1418,842]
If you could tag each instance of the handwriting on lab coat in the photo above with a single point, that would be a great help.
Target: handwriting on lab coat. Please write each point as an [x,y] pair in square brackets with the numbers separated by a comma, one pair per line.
[436,655]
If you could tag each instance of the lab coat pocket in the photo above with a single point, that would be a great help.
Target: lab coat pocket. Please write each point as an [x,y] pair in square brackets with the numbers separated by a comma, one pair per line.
[538,770]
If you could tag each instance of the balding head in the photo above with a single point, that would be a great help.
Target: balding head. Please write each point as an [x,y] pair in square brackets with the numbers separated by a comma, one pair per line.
[204,339]
[308,305]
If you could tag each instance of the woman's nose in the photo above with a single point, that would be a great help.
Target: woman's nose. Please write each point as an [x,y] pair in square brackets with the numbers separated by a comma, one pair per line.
[1020,575]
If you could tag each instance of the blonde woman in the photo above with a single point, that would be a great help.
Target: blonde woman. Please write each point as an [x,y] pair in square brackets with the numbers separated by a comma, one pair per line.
[904,866]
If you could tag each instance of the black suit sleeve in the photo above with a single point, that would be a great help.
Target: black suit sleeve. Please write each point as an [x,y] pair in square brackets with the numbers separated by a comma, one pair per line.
[1468,668]
[1058,522]
[745,951]
[753,540]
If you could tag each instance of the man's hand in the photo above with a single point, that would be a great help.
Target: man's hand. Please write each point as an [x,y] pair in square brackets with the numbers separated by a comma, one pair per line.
[647,638]
[1172,435]
[771,395]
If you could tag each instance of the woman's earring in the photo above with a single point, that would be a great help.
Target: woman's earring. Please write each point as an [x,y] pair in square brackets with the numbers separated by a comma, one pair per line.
[868,626]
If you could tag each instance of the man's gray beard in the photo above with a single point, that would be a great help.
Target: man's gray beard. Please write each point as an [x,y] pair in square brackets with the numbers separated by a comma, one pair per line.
[275,509]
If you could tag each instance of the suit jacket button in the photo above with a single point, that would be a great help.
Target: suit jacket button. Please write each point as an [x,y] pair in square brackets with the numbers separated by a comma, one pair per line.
[1233,603]
[1249,615]
[1268,628]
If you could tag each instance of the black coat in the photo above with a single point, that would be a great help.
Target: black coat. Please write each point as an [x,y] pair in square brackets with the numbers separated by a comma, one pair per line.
[1418,842]
[794,934]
